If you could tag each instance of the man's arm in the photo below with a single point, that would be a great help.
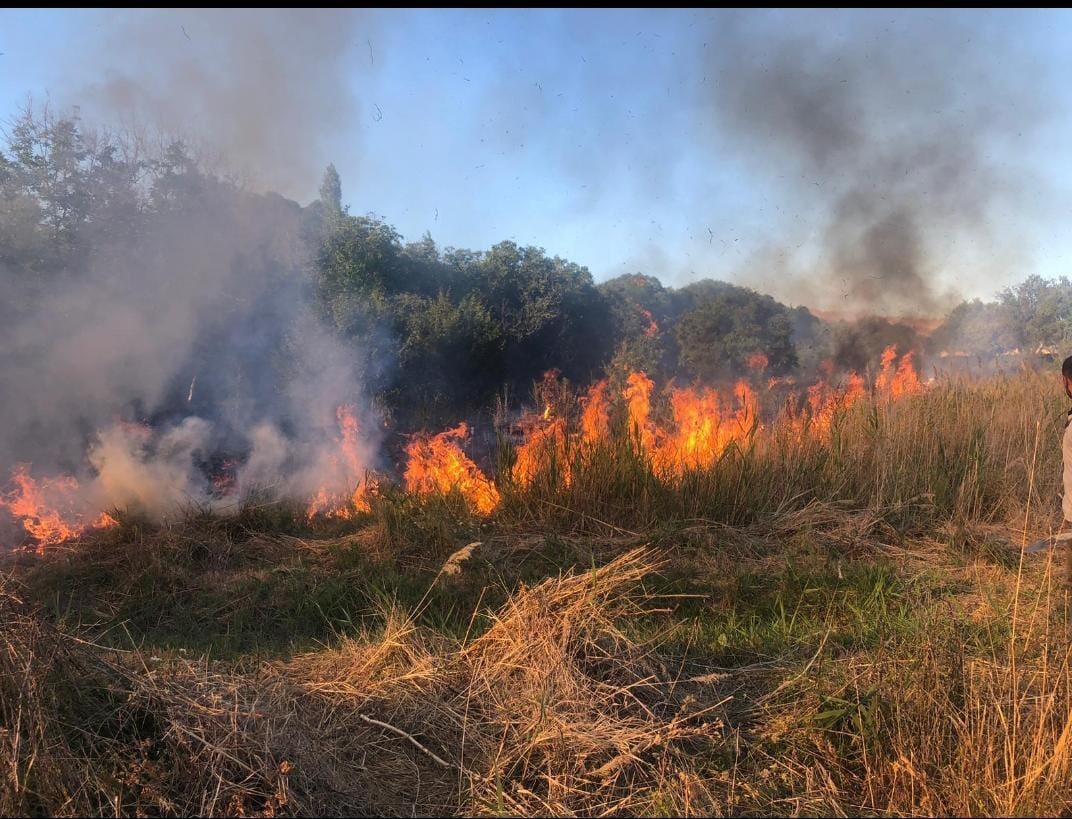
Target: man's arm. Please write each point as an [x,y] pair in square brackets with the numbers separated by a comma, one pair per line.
[1066,478]
[1066,500]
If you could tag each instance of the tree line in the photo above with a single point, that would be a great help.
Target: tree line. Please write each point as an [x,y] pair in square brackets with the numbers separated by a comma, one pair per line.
[443,331]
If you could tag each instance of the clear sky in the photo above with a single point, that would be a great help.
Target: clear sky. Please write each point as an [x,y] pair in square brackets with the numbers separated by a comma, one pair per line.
[590,133]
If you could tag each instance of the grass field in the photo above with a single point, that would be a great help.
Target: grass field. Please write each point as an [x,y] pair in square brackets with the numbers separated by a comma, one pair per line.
[838,621]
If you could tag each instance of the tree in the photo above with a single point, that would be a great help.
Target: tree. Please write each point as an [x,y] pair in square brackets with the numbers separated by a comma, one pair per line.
[977,327]
[1039,311]
[64,193]
[360,255]
[812,339]
[641,311]
[550,311]
[331,194]
[449,357]
[859,344]
[717,337]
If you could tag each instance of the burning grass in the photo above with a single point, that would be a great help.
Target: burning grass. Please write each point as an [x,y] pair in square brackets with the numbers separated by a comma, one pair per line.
[831,616]
[676,434]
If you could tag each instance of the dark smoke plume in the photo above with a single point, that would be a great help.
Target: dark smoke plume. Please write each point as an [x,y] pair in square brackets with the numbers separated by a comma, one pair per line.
[893,134]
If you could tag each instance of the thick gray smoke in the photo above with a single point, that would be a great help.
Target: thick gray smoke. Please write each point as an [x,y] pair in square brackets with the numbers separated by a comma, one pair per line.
[142,358]
[893,134]
[158,330]
[270,90]
[158,325]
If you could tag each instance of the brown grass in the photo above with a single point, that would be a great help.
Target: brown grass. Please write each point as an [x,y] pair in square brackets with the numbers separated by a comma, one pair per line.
[551,710]
[849,627]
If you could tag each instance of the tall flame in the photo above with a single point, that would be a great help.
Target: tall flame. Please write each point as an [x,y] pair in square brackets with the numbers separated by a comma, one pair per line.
[705,423]
[545,448]
[693,442]
[757,361]
[637,394]
[595,417]
[652,330]
[885,375]
[437,465]
[824,403]
[906,381]
[900,380]
[350,471]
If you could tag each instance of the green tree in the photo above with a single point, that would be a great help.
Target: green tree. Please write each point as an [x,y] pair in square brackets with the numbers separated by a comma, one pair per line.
[717,337]
[331,194]
[549,309]
[977,327]
[1039,311]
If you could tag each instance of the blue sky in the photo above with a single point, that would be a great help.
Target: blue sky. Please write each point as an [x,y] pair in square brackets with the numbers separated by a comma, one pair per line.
[590,133]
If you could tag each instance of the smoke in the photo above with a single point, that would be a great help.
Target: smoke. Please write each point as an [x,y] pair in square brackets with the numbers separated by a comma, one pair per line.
[269,90]
[897,131]
[145,352]
[134,471]
[171,325]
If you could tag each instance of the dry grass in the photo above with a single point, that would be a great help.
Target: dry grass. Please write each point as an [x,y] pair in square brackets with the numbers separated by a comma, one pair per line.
[837,626]
[931,725]
[551,710]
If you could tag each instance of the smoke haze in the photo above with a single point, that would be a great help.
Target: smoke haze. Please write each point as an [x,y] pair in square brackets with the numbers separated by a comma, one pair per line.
[270,91]
[892,132]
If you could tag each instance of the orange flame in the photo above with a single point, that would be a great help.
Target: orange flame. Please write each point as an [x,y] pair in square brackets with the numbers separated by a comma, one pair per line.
[823,405]
[693,443]
[437,465]
[902,380]
[350,471]
[545,448]
[704,425]
[757,361]
[38,504]
[104,521]
[906,381]
[854,388]
[595,418]
[652,329]
[637,394]
[885,376]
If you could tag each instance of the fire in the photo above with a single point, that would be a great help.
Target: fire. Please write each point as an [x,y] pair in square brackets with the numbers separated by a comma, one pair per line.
[652,329]
[104,521]
[906,381]
[745,420]
[637,394]
[49,509]
[701,424]
[225,478]
[902,380]
[437,465]
[350,471]
[885,375]
[824,403]
[545,448]
[704,424]
[694,441]
[595,417]
[341,506]
[854,388]
[757,361]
